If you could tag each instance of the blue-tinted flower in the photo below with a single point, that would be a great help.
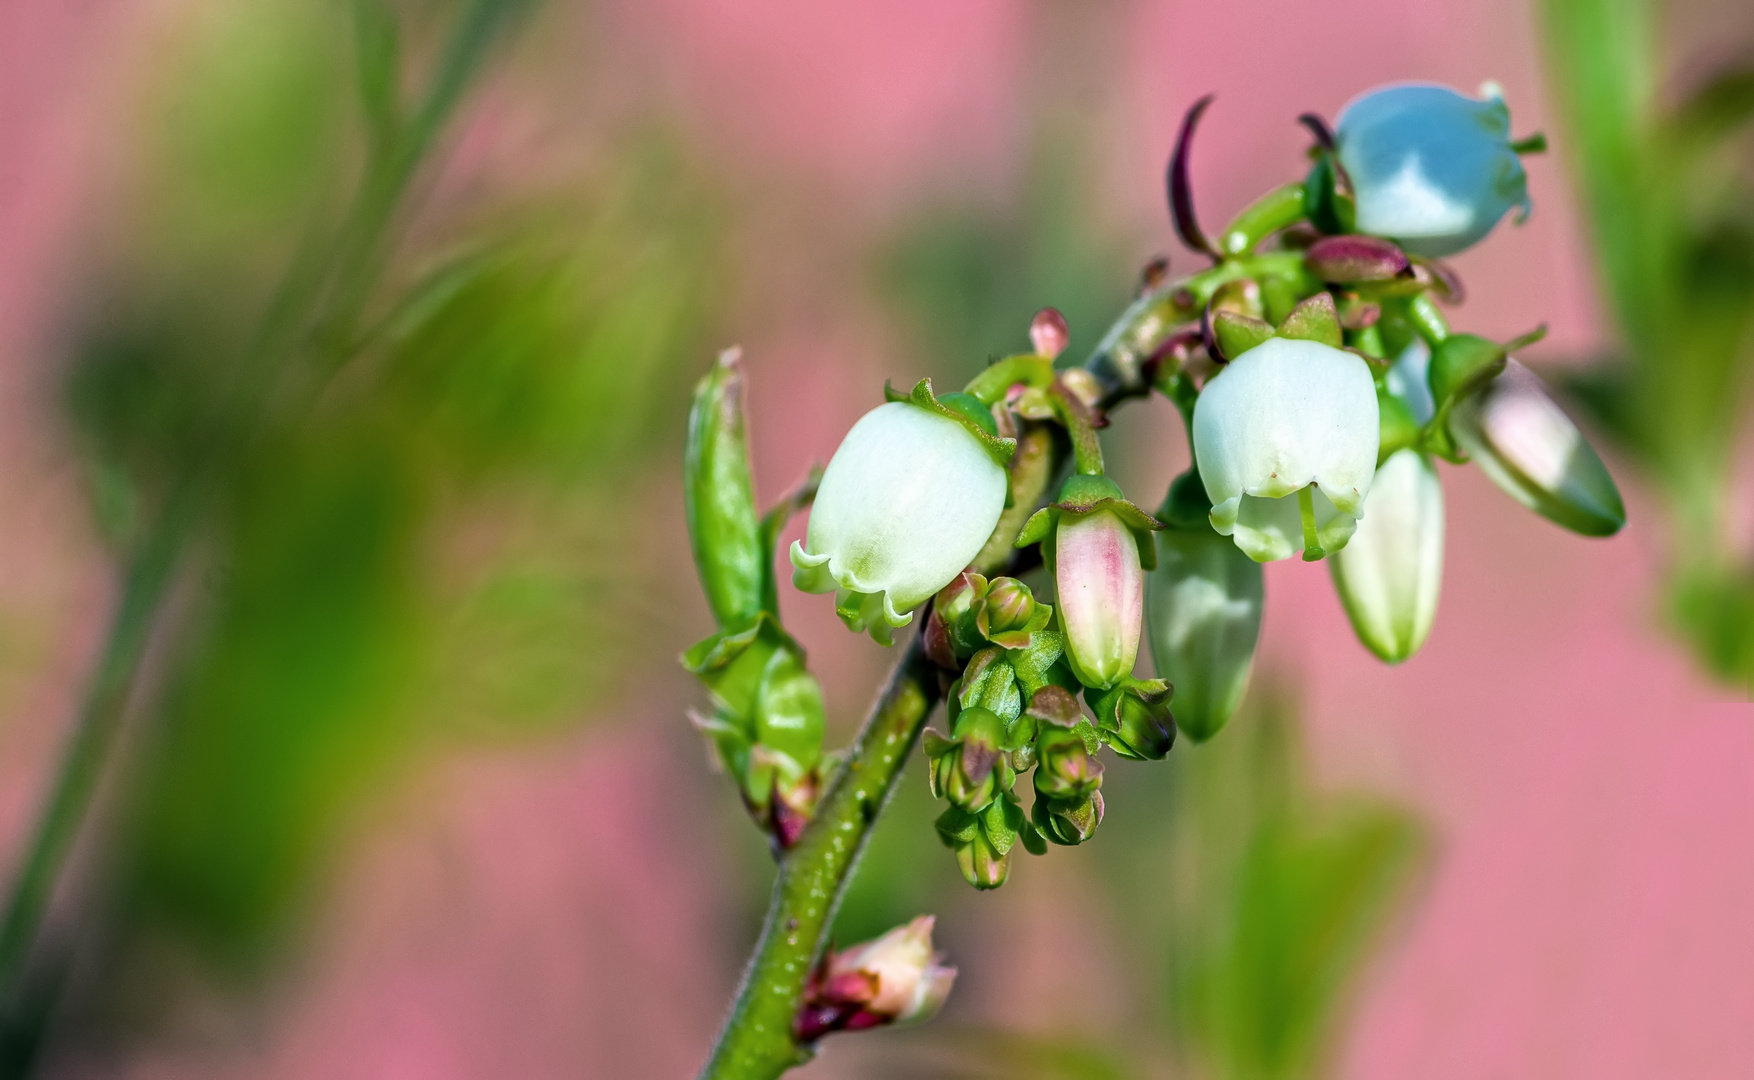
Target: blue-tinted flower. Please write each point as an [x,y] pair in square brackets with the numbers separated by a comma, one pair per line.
[1431,168]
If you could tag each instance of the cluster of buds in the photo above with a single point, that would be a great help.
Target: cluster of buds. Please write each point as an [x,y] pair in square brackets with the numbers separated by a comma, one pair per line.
[767,720]
[1318,382]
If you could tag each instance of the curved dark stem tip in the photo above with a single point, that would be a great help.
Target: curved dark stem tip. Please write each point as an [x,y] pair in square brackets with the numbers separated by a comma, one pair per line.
[1319,129]
[1181,193]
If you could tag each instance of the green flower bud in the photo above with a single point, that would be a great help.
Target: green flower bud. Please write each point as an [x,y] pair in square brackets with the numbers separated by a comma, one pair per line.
[1066,768]
[1135,718]
[983,841]
[724,527]
[1388,576]
[1203,606]
[1531,449]
[971,768]
[1068,823]
[1009,606]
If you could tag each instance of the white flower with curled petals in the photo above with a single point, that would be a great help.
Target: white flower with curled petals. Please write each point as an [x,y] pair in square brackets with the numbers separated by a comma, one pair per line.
[906,502]
[1286,440]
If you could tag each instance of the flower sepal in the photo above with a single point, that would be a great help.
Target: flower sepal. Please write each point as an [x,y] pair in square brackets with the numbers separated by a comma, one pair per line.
[966,410]
[1134,718]
[983,842]
[1082,496]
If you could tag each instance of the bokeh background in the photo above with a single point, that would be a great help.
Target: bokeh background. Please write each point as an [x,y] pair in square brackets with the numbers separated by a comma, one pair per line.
[404,787]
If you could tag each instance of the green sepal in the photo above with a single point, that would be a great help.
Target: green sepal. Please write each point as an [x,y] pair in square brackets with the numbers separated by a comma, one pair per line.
[1000,450]
[1461,364]
[1135,717]
[1237,334]
[1315,319]
[1397,428]
[1084,495]
[1329,209]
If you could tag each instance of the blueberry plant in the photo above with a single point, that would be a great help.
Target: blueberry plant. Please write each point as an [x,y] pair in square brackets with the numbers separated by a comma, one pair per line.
[1318,379]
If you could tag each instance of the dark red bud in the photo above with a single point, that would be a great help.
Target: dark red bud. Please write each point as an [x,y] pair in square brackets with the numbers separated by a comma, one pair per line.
[1347,259]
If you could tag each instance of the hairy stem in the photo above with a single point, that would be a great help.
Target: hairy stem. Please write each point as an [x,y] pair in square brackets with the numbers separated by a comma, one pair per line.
[757,1039]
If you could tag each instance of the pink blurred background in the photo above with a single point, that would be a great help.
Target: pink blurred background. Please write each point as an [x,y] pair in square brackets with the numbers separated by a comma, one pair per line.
[559,909]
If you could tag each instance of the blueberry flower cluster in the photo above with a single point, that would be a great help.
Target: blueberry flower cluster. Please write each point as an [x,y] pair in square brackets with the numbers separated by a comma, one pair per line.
[1319,383]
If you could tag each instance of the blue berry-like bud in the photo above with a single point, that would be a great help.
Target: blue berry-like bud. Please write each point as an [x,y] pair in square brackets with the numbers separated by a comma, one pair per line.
[1431,168]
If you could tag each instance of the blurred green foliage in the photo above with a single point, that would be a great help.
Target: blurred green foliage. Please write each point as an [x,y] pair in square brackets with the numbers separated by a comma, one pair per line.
[1269,898]
[424,535]
[1668,189]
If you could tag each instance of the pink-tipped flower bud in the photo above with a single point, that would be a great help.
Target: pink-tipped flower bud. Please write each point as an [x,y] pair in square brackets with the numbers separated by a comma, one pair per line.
[1101,596]
[1049,333]
[894,979]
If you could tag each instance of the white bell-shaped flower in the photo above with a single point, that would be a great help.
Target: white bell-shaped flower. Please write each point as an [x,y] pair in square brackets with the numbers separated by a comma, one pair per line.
[1389,574]
[1286,440]
[1524,441]
[906,502]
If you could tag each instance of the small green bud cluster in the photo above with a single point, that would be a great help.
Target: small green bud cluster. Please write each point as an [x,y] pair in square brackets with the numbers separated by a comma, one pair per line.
[767,720]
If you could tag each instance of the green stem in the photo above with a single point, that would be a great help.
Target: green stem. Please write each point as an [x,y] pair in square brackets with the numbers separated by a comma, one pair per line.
[757,1038]
[1081,426]
[100,715]
[990,385]
[1312,545]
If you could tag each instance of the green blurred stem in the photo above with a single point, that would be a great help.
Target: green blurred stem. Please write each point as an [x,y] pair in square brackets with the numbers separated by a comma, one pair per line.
[756,1042]
[99,719]
[315,309]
